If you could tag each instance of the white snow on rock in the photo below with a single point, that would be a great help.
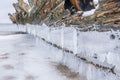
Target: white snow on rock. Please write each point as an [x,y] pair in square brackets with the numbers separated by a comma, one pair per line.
[91,12]
[88,13]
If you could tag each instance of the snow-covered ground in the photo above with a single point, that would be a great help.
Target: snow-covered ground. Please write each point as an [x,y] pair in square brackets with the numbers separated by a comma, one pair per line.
[101,48]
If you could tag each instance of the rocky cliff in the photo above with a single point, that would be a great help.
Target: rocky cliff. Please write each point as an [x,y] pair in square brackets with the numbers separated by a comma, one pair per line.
[51,12]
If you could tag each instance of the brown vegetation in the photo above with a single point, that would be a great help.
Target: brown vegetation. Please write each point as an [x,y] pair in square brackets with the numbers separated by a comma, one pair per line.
[65,71]
[52,12]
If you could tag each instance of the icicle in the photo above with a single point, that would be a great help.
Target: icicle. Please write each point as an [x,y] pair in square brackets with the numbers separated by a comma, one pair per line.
[62,43]
[89,73]
[48,34]
[62,37]
[75,41]
[18,27]
[29,30]
[34,31]
[26,28]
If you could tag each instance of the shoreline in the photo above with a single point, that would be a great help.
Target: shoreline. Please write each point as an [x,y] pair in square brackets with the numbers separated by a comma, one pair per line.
[5,33]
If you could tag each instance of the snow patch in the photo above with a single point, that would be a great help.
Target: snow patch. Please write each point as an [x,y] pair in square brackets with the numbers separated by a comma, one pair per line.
[91,12]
